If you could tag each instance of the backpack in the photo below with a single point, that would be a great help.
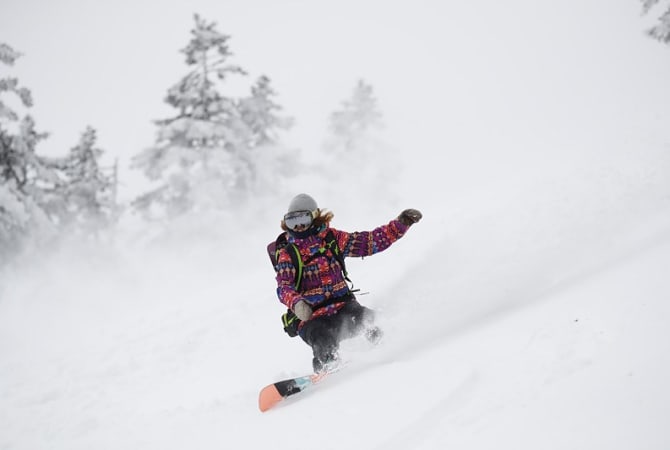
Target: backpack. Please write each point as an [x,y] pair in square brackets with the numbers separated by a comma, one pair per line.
[289,319]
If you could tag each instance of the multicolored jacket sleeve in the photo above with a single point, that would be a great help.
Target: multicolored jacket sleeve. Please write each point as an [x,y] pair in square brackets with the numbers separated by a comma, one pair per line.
[367,243]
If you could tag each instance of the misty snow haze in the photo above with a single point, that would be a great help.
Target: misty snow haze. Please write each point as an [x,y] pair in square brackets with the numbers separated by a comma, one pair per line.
[528,309]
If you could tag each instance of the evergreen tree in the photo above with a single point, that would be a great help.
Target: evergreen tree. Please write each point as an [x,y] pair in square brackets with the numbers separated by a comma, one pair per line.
[661,31]
[8,56]
[16,137]
[84,197]
[22,172]
[261,114]
[199,154]
[356,146]
[357,118]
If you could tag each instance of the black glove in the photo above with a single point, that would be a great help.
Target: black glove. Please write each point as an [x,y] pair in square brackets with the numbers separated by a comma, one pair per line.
[410,216]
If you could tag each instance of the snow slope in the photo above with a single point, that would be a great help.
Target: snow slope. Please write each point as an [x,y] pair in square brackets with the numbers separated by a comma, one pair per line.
[528,309]
[523,326]
[538,345]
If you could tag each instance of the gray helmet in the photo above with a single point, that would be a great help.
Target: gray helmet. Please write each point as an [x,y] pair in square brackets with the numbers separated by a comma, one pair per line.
[302,202]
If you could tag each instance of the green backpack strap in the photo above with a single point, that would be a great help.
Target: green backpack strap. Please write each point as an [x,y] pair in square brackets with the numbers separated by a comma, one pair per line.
[294,253]
[275,248]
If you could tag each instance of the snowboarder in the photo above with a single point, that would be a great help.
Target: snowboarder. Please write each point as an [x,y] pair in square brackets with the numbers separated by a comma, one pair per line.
[312,281]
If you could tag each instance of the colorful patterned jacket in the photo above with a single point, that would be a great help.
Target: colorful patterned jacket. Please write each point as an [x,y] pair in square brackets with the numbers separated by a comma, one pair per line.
[322,277]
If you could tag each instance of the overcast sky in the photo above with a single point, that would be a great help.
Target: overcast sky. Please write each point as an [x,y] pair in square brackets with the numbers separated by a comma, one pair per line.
[109,65]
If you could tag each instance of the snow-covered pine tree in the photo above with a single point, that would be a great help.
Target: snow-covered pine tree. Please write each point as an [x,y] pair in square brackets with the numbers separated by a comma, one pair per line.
[358,116]
[356,146]
[198,161]
[262,115]
[269,160]
[83,200]
[14,162]
[8,56]
[660,31]
[22,171]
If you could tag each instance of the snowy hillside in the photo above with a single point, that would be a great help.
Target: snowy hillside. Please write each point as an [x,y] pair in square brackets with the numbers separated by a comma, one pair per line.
[528,310]
[493,335]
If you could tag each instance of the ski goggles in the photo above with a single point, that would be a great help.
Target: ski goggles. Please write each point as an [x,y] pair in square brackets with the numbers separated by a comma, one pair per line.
[295,219]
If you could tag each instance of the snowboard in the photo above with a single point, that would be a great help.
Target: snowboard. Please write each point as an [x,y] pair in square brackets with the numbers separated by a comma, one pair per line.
[275,393]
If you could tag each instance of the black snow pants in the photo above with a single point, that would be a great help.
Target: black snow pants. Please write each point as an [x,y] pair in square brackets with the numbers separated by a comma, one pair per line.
[324,334]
